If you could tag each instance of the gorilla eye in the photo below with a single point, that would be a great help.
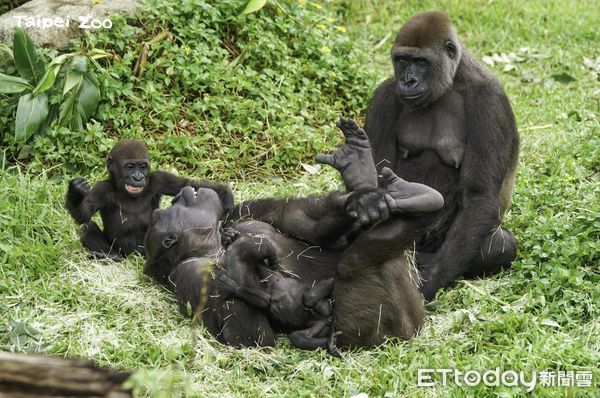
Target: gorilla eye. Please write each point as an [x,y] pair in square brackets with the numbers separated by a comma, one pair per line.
[421,61]
[130,166]
[143,166]
[451,48]
[400,59]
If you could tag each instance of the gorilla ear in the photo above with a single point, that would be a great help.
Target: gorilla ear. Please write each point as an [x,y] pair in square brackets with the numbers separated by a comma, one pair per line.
[109,164]
[451,49]
[169,241]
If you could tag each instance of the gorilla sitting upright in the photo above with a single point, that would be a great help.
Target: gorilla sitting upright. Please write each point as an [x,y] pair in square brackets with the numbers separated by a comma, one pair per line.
[310,240]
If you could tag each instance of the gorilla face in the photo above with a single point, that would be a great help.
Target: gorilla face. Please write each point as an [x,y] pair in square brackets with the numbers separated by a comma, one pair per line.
[190,227]
[132,175]
[129,167]
[411,72]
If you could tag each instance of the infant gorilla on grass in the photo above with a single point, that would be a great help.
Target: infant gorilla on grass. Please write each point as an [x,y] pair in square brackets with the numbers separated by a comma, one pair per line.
[126,200]
[283,260]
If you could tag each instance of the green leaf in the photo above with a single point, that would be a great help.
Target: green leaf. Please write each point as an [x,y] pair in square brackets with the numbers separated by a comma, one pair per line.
[89,95]
[79,63]
[74,78]
[253,6]
[66,109]
[563,78]
[48,79]
[31,112]
[29,63]
[13,84]
[61,59]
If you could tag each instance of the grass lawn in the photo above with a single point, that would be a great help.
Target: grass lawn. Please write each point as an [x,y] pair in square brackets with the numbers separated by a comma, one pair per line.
[541,315]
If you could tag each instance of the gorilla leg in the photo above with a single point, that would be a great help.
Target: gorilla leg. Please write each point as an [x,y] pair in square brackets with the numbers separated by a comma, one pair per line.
[498,250]
[375,293]
[96,242]
[321,220]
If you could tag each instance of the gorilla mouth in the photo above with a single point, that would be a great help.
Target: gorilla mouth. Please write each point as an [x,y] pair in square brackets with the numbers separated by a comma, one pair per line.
[132,189]
[412,97]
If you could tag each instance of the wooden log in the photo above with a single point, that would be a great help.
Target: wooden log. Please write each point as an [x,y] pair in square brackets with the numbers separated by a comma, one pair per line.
[29,376]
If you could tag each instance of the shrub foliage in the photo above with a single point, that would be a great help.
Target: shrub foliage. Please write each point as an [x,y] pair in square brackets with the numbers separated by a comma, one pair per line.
[212,89]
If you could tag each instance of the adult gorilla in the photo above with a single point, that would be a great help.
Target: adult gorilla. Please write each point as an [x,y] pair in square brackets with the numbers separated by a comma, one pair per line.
[445,121]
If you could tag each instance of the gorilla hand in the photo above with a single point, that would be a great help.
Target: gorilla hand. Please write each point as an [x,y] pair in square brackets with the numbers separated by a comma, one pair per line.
[228,236]
[368,207]
[78,189]
[410,197]
[354,159]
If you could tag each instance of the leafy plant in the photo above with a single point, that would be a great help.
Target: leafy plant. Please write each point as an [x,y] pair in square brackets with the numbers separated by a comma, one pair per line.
[253,6]
[38,82]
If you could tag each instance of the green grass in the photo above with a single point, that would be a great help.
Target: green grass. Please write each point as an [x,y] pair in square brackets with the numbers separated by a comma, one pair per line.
[543,314]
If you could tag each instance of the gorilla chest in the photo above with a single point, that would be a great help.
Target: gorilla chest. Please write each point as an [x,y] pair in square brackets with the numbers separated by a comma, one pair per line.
[129,216]
[439,128]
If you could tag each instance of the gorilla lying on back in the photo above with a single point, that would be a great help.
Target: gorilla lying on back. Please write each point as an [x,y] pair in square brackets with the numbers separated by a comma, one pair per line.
[375,290]
[443,120]
[126,200]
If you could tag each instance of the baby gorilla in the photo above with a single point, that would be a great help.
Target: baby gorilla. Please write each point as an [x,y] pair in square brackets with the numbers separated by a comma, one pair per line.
[254,275]
[126,200]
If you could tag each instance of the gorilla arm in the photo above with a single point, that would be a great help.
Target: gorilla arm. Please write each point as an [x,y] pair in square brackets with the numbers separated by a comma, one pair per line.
[82,203]
[169,184]
[490,159]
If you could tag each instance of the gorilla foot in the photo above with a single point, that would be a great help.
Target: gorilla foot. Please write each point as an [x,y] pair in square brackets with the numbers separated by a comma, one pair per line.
[497,252]
[354,160]
[410,197]
[332,348]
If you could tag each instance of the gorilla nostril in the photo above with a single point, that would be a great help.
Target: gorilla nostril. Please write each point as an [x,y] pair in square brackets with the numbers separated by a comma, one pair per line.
[410,81]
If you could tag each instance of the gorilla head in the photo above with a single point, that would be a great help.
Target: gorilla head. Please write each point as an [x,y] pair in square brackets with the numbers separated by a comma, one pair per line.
[189,228]
[129,167]
[425,57]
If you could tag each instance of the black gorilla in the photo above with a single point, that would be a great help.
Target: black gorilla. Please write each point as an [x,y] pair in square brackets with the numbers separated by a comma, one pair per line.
[254,274]
[126,200]
[375,289]
[183,248]
[445,121]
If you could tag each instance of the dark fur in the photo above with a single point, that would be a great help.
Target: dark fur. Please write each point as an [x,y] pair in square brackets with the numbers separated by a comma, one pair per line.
[370,278]
[184,252]
[458,137]
[307,242]
[126,215]
[299,308]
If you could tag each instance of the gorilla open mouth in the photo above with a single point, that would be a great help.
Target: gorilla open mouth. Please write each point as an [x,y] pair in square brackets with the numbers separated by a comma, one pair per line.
[132,189]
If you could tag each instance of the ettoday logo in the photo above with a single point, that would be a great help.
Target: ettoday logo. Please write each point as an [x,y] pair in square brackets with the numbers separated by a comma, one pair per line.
[509,378]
